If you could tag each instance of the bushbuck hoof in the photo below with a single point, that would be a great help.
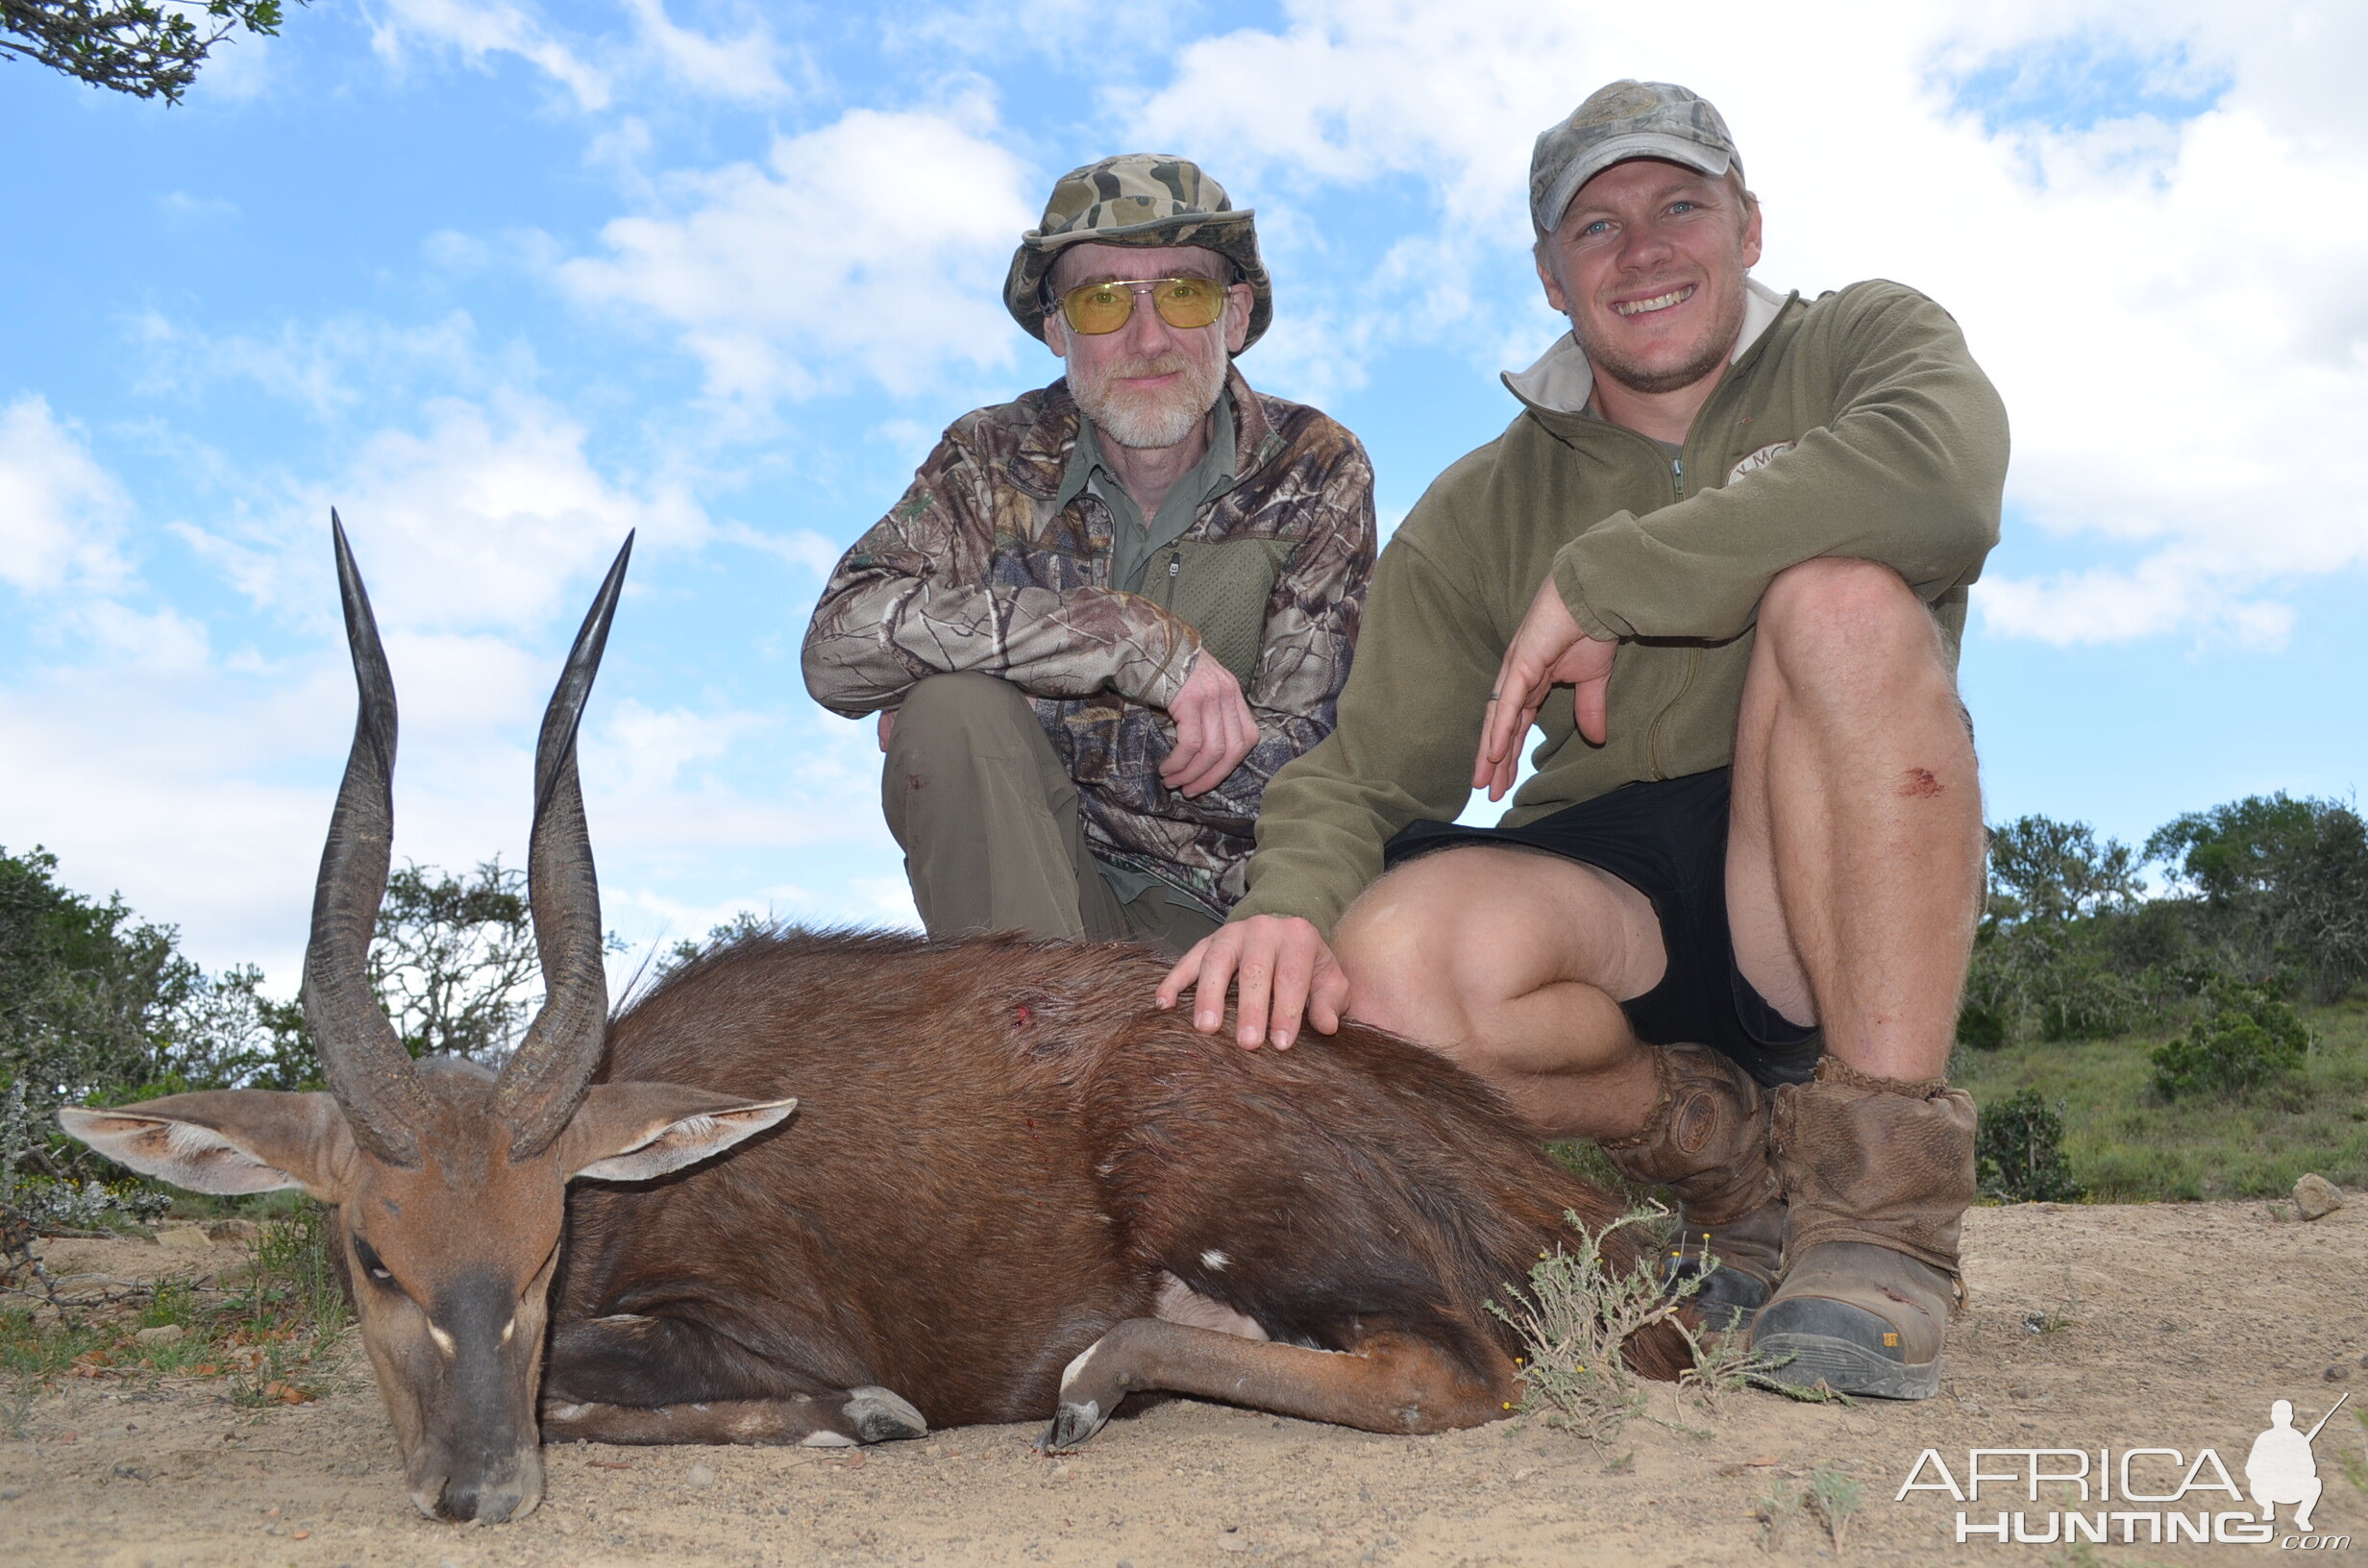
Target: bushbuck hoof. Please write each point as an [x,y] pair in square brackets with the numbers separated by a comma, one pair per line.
[879,1417]
[1072,1425]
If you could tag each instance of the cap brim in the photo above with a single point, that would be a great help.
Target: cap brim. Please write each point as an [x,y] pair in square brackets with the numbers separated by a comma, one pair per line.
[1637,144]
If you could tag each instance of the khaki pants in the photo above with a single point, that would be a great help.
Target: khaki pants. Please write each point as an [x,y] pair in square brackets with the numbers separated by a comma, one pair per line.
[988,820]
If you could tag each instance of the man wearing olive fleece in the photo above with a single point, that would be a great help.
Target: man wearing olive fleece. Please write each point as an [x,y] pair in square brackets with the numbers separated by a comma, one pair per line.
[1721,560]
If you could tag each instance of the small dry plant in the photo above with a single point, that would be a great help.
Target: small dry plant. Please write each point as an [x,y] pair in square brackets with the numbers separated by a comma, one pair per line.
[1776,1512]
[1577,1314]
[2060,1316]
[1832,1498]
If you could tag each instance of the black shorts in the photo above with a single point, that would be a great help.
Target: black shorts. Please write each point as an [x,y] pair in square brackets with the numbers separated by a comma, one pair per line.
[1668,841]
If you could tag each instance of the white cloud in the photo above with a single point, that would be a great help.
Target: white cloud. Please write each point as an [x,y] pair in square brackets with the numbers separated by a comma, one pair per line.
[239,69]
[2170,591]
[196,780]
[1113,41]
[741,66]
[873,246]
[477,32]
[61,513]
[2176,310]
[488,517]
[330,367]
[597,67]
[802,547]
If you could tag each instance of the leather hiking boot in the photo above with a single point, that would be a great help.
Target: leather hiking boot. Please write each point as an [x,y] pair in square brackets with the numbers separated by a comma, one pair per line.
[1877,1173]
[1747,1253]
[1859,1318]
[1705,1139]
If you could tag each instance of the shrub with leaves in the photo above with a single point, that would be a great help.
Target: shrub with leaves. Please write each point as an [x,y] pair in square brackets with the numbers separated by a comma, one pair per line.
[2248,1036]
[2278,883]
[2044,961]
[1574,1317]
[2018,1152]
[1578,1314]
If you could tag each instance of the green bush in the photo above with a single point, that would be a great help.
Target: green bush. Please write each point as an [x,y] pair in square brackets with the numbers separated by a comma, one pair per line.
[2081,997]
[2018,1152]
[2248,1036]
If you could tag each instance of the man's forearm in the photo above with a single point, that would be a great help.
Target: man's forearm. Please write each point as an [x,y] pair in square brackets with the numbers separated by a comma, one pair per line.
[1906,472]
[872,638]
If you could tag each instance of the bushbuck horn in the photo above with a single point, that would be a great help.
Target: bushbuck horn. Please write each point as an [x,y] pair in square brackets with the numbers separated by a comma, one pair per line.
[545,1079]
[367,1068]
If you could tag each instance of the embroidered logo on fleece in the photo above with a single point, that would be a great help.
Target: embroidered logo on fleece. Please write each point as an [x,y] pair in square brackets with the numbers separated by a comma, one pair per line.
[1760,459]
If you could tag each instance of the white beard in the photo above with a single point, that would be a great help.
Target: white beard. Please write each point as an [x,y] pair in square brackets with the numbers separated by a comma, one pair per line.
[1152,419]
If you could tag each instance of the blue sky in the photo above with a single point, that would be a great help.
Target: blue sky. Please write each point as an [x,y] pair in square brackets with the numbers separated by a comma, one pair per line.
[503,281]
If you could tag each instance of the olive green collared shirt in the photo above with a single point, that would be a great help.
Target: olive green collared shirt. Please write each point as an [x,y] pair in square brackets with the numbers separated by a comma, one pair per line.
[1136,542]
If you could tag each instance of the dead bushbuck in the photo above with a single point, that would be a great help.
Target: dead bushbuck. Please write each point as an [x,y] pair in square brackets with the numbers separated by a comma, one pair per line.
[1013,1187]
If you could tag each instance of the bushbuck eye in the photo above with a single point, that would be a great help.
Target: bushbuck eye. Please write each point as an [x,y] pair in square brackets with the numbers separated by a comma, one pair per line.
[371,1263]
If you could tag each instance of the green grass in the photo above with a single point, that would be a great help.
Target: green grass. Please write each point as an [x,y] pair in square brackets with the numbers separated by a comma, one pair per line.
[2127,1144]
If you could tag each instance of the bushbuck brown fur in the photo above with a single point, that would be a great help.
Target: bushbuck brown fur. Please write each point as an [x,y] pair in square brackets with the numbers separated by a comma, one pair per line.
[1012,1187]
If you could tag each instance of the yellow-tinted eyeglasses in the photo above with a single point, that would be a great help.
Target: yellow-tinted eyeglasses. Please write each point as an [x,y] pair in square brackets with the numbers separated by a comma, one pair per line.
[1182,303]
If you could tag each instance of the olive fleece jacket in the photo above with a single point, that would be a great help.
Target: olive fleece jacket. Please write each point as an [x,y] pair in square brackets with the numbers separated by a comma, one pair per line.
[1854,425]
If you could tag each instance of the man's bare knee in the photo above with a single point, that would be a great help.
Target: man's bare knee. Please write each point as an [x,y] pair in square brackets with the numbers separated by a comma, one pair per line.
[1839,590]
[1843,615]
[1436,949]
[1394,945]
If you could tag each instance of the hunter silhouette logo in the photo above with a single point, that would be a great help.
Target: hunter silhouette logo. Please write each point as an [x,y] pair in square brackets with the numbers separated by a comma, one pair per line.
[2138,1495]
[2281,1468]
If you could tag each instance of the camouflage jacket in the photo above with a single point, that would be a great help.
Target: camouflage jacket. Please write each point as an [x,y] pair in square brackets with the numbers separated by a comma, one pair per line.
[975,569]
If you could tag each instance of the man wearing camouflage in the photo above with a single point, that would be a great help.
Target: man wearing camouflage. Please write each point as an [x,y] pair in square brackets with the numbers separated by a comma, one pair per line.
[1105,614]
[1721,560]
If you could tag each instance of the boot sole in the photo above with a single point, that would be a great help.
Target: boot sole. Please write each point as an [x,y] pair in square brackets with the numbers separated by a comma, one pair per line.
[1819,1341]
[1846,1368]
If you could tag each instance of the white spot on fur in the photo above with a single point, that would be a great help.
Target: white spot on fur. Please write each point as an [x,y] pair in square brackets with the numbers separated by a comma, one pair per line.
[510,1331]
[621,1317]
[443,1341]
[1214,1260]
[569,1412]
[827,1439]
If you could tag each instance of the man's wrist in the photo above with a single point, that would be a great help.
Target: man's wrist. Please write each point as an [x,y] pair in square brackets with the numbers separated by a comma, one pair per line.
[1574,592]
[1165,682]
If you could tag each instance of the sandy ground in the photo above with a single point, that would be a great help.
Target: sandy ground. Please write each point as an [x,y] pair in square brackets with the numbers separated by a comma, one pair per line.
[2187,1320]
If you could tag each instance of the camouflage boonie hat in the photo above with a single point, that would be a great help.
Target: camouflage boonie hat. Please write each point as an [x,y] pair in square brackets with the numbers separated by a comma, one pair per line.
[1143,199]
[1625,120]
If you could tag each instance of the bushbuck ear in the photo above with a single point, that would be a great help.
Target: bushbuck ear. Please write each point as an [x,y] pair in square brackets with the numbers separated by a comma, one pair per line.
[633,1132]
[227,1141]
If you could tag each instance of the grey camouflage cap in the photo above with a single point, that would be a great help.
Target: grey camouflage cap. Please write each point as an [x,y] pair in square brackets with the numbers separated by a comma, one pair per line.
[1148,199]
[1619,122]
